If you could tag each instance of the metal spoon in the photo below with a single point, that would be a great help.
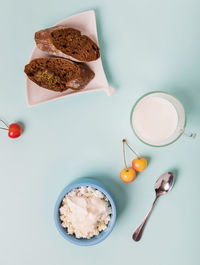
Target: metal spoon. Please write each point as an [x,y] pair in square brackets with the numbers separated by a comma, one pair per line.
[162,186]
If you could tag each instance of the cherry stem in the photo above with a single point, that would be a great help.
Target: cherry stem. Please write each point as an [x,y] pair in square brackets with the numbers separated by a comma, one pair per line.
[124,141]
[4,128]
[4,124]
[124,154]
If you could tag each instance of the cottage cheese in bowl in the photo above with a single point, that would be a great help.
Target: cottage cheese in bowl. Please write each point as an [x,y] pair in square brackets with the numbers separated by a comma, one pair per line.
[85,212]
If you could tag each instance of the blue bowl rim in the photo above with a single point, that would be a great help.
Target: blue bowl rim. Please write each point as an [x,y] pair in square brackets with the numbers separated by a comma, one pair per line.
[99,186]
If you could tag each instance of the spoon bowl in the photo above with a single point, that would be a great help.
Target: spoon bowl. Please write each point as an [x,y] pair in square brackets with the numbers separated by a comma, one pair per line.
[162,186]
[164,183]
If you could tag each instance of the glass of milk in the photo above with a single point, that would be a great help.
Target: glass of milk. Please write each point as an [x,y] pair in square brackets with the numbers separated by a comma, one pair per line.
[158,118]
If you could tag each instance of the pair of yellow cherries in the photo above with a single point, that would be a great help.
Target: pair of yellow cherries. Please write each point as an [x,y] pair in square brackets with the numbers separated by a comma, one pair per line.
[138,164]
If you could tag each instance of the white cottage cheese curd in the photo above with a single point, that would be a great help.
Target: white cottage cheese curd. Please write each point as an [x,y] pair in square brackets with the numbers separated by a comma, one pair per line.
[85,212]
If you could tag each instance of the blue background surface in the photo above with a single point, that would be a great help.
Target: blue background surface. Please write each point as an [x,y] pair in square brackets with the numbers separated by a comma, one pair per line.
[145,45]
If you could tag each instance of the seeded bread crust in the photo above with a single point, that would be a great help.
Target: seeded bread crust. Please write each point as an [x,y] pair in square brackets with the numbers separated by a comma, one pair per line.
[58,74]
[68,43]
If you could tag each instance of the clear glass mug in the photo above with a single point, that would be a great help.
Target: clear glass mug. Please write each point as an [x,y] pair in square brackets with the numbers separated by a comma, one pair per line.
[180,116]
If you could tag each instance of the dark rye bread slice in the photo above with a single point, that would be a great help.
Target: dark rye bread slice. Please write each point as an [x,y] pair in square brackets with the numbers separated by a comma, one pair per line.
[58,74]
[68,43]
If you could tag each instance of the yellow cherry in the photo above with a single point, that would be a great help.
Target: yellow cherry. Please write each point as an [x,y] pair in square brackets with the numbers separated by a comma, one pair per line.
[139,164]
[128,175]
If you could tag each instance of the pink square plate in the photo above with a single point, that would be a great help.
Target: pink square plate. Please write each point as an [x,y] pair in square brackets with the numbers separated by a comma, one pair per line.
[86,23]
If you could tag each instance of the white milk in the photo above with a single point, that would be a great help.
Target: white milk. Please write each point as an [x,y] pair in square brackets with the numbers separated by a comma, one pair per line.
[154,119]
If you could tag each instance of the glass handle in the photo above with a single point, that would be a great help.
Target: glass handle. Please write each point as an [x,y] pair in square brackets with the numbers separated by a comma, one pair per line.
[190,134]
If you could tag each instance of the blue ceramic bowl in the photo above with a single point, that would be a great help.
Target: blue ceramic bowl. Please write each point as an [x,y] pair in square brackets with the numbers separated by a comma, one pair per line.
[102,235]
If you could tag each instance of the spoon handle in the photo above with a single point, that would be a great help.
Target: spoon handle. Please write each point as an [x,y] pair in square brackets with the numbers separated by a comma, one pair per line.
[138,232]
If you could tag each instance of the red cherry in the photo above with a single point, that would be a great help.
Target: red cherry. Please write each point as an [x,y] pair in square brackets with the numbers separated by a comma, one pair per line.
[15,130]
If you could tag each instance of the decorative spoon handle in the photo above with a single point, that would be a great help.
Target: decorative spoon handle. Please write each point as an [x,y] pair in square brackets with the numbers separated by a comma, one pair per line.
[138,232]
